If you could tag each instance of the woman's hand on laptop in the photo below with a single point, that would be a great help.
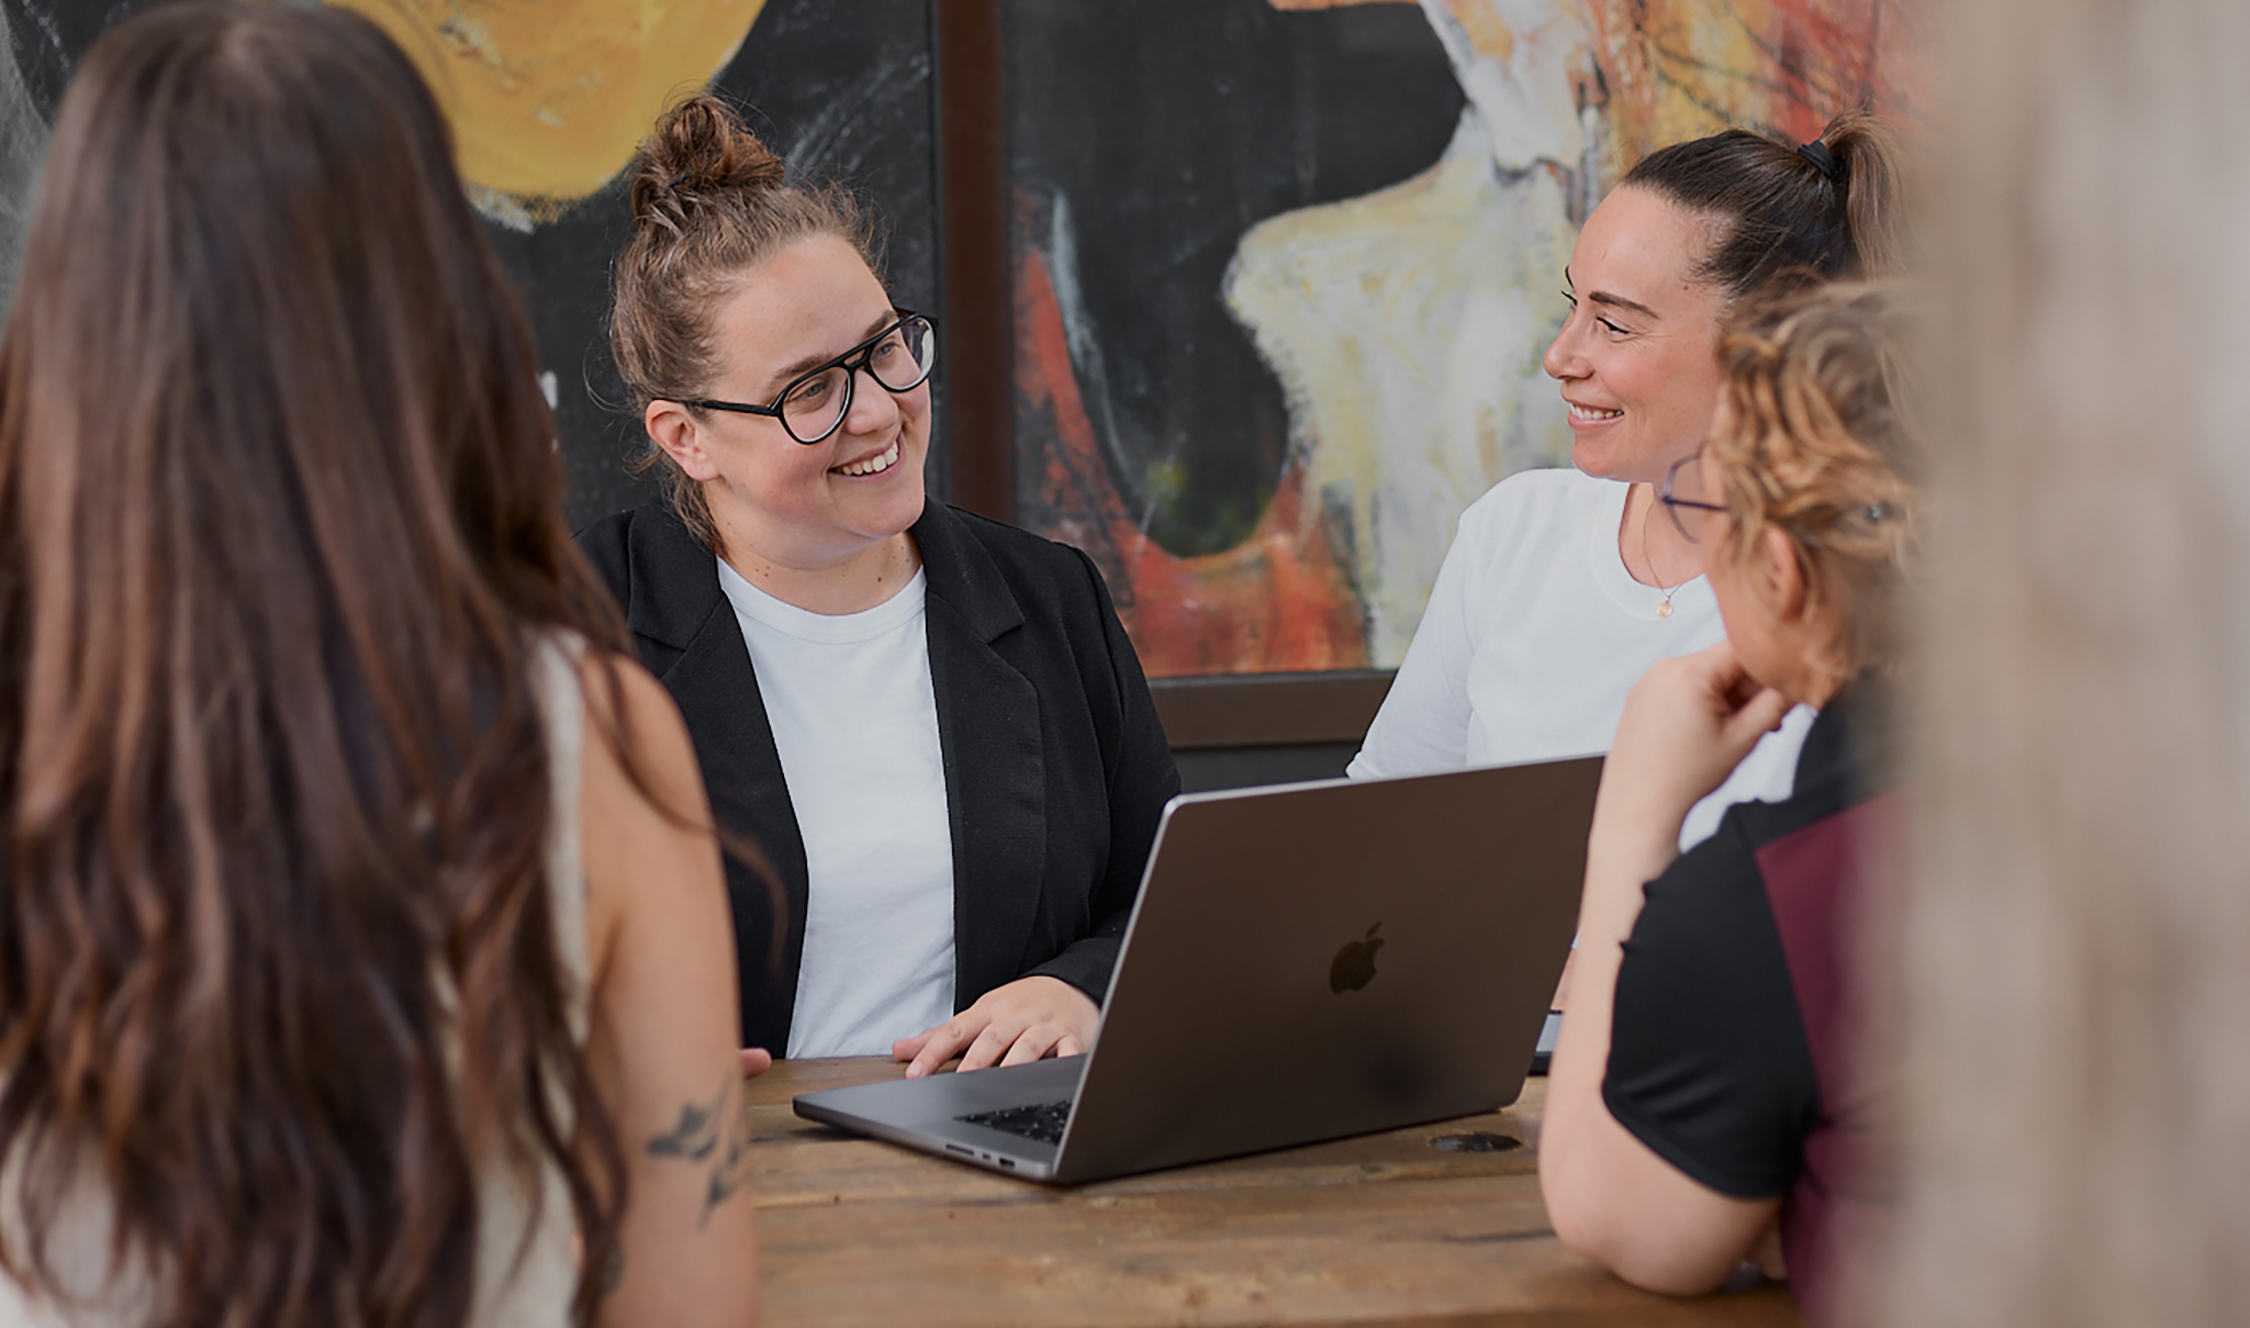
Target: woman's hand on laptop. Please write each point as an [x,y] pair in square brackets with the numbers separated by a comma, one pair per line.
[1023,1021]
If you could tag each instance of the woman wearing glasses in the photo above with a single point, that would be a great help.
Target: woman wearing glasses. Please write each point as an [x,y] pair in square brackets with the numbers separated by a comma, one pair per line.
[933,723]
[1709,1083]
[1563,585]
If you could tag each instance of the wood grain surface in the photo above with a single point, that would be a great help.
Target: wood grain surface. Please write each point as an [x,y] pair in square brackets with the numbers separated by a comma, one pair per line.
[1381,1229]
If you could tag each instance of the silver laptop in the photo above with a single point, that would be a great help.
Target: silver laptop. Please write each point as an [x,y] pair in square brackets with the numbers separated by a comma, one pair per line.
[1305,962]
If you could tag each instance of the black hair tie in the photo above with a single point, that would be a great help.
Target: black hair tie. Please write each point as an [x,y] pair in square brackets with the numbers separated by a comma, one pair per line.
[1823,160]
[674,183]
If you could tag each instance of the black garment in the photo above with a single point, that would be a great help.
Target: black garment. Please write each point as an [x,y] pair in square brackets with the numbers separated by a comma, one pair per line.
[1056,768]
[1732,1037]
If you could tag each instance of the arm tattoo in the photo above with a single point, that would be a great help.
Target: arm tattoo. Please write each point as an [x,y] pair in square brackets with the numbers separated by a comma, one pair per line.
[695,1136]
[706,1133]
[732,1171]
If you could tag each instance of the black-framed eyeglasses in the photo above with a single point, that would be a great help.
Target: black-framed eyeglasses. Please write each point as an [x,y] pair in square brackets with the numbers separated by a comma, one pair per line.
[899,358]
[1669,495]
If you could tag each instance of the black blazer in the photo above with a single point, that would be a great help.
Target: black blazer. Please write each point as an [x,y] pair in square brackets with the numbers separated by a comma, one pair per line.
[1056,768]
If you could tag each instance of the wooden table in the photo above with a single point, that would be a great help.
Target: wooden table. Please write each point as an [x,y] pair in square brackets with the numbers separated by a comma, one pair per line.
[1382,1229]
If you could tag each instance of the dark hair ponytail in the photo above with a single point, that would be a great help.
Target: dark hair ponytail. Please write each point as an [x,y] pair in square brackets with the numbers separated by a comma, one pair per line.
[1788,214]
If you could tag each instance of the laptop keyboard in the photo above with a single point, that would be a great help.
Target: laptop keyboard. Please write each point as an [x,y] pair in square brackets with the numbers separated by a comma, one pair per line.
[1042,1121]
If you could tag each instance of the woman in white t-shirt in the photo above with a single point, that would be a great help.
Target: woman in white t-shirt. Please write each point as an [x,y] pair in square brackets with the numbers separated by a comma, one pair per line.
[1560,589]
[933,723]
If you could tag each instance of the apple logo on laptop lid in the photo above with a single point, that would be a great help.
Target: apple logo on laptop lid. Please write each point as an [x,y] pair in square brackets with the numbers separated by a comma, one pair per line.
[1354,965]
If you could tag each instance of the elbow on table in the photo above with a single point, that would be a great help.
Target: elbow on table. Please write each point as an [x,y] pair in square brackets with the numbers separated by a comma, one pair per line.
[1621,1233]
[1645,1259]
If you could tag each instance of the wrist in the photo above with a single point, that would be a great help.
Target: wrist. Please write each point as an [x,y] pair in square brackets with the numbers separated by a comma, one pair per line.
[1636,828]
[1650,797]
[1618,865]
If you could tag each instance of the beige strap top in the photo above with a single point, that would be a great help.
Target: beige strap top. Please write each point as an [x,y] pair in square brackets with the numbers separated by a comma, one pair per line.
[511,1291]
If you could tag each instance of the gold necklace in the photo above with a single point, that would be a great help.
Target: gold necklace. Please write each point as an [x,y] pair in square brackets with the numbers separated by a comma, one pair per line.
[1663,610]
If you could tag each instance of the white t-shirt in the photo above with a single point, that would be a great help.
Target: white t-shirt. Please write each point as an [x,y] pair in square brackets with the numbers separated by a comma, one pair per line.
[855,719]
[1534,634]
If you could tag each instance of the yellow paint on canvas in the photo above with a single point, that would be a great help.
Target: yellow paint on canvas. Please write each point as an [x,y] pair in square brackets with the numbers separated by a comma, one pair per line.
[1682,63]
[1679,69]
[1483,25]
[549,98]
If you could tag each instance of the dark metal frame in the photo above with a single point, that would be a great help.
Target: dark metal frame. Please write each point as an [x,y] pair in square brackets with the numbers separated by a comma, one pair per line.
[1673,505]
[974,271]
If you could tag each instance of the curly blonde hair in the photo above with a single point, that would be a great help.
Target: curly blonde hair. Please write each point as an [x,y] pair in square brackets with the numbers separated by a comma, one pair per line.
[1814,437]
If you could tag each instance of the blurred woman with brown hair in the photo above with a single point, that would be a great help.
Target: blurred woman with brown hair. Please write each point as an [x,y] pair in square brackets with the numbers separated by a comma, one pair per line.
[1707,1084]
[362,954]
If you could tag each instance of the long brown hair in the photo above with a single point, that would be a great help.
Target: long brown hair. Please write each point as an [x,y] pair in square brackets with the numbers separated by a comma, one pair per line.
[279,528]
[709,200]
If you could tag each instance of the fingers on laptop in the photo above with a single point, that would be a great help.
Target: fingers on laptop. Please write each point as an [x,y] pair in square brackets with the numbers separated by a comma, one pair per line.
[1022,1021]
[1042,1040]
[908,1049]
[1017,1039]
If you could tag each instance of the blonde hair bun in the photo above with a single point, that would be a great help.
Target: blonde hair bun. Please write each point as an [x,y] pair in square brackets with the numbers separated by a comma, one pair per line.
[698,148]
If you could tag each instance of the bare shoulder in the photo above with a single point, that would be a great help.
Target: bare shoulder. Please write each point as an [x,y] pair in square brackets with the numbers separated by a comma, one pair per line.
[645,824]
[617,685]
[635,728]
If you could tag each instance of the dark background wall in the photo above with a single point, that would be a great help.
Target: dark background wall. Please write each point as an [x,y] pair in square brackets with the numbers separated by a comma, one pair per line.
[849,101]
[840,96]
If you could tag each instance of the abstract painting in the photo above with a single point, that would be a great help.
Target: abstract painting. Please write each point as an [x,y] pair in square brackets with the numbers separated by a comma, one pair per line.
[1282,269]
[1285,268]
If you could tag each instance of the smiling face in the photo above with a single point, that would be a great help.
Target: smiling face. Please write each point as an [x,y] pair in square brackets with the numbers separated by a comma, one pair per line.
[802,509]
[1638,356]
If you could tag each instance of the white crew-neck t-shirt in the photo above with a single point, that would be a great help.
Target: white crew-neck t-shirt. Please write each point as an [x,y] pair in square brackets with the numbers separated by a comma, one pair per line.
[1534,634]
[855,719]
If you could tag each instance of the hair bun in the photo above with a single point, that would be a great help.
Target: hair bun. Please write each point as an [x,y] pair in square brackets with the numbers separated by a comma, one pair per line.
[698,147]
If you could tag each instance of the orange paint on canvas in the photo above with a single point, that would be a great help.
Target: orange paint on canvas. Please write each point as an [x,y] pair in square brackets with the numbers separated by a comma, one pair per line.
[1280,601]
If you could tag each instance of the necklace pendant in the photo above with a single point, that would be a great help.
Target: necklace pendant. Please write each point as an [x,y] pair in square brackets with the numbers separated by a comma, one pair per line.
[1664,610]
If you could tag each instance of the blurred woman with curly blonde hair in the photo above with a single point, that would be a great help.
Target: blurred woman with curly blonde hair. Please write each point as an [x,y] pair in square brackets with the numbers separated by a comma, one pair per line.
[1707,1089]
